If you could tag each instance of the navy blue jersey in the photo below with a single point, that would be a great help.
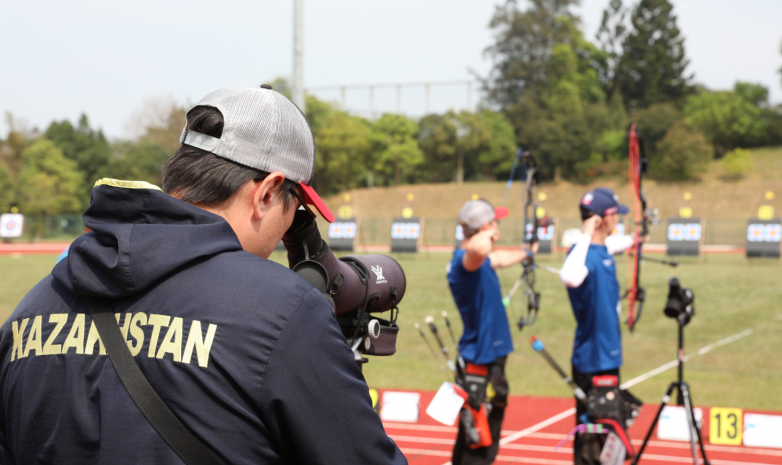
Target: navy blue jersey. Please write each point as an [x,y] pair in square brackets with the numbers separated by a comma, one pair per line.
[479,300]
[244,352]
[598,342]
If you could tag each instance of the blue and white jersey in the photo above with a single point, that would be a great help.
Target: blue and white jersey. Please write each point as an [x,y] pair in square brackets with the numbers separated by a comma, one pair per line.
[479,299]
[596,306]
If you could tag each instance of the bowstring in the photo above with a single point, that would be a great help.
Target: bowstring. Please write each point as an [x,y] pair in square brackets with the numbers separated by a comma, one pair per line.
[634,184]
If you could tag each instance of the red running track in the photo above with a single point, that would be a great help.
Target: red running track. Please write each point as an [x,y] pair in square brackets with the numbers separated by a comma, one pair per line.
[537,424]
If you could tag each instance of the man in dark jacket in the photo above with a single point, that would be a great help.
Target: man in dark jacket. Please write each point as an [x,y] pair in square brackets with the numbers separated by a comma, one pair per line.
[245,353]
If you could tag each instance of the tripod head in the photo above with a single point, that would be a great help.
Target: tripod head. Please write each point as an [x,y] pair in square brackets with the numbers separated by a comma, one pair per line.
[680,304]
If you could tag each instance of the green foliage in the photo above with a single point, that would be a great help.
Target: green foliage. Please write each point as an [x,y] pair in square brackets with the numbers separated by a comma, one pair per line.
[756,94]
[737,163]
[522,51]
[137,161]
[343,152]
[726,119]
[683,154]
[654,122]
[495,157]
[611,35]
[82,144]
[437,140]
[652,68]
[396,149]
[49,183]
[7,189]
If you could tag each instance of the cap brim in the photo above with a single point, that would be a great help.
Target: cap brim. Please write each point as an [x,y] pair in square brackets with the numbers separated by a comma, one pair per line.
[312,198]
[501,212]
[622,209]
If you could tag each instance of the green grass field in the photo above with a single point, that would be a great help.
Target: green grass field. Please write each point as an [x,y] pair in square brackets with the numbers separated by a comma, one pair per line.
[731,296]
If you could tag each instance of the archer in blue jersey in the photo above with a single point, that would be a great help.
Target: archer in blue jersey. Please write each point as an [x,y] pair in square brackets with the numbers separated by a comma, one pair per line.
[589,272]
[486,340]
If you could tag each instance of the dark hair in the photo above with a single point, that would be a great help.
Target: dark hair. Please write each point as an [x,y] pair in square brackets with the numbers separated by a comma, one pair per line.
[203,178]
[585,213]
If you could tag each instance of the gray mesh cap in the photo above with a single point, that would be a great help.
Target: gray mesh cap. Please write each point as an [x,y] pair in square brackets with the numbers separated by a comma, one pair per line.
[475,213]
[263,130]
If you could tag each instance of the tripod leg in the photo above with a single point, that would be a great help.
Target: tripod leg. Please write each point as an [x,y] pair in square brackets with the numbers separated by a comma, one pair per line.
[693,425]
[684,393]
[666,399]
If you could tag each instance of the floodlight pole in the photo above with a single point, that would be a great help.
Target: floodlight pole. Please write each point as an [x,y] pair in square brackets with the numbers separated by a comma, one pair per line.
[297,86]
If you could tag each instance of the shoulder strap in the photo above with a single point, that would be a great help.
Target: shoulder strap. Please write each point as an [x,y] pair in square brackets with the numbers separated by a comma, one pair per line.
[178,437]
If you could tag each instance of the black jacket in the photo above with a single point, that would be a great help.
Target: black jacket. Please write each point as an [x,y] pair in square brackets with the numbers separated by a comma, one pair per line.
[243,351]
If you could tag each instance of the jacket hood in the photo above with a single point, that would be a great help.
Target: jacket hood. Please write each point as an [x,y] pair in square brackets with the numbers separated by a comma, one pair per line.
[139,235]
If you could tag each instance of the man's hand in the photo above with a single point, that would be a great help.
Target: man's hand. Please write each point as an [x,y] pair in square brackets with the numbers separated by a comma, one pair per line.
[479,247]
[488,235]
[591,225]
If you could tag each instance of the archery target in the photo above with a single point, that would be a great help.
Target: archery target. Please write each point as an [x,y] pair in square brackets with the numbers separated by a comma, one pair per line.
[756,233]
[764,233]
[404,234]
[412,230]
[684,236]
[546,234]
[763,238]
[345,230]
[774,232]
[11,224]
[405,230]
[398,231]
[528,231]
[692,232]
[675,232]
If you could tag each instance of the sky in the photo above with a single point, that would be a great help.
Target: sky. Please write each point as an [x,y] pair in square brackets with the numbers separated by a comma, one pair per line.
[111,60]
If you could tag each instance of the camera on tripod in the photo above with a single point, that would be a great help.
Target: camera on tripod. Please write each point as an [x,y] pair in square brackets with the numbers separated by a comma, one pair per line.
[356,286]
[680,302]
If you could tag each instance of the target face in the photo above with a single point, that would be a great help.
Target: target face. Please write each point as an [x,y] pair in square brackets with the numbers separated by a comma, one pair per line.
[11,224]
[756,233]
[692,232]
[764,233]
[675,232]
[342,230]
[774,232]
[546,234]
[405,230]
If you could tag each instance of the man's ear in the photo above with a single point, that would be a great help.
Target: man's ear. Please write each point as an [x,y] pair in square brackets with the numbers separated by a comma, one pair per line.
[265,193]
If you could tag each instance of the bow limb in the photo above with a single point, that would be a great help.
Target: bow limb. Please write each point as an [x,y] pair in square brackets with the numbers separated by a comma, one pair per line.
[512,175]
[635,294]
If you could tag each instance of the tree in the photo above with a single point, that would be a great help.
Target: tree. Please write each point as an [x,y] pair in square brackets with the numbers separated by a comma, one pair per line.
[522,51]
[137,161]
[471,135]
[612,35]
[82,144]
[343,146]
[726,119]
[437,141]
[652,68]
[7,189]
[396,146]
[654,122]
[683,153]
[49,183]
[496,156]
[159,121]
[14,145]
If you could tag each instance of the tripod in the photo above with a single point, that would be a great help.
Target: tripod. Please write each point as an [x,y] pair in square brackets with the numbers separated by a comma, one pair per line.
[683,398]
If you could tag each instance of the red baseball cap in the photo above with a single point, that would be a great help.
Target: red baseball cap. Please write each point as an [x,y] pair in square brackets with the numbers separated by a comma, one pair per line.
[312,198]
